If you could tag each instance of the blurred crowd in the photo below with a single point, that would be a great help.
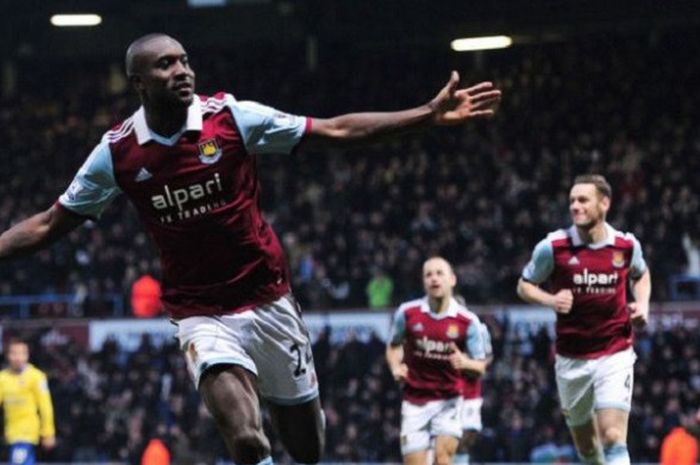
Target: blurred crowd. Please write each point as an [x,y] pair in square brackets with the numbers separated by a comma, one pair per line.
[482,195]
[111,402]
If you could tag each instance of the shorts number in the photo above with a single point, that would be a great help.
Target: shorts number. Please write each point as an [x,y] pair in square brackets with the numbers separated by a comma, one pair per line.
[628,382]
[299,370]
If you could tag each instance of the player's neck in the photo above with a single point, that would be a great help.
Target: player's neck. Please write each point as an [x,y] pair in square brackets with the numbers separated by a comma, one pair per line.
[439,304]
[165,121]
[595,234]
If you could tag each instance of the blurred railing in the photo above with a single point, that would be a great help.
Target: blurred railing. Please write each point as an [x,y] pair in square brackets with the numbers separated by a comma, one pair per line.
[59,305]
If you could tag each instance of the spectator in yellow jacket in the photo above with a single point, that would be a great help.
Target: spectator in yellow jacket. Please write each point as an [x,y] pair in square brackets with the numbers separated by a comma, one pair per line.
[26,400]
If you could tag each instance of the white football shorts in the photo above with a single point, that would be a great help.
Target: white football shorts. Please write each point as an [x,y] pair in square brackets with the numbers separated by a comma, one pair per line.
[471,414]
[588,385]
[421,423]
[271,341]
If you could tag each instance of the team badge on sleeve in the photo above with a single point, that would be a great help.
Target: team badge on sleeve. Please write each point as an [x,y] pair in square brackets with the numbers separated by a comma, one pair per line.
[618,259]
[209,151]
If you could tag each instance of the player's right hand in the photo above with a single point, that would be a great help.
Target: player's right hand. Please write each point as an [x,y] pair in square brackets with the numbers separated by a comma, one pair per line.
[401,373]
[563,301]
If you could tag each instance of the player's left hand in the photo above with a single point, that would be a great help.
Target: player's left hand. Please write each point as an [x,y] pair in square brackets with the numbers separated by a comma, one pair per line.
[454,106]
[48,442]
[457,357]
[639,314]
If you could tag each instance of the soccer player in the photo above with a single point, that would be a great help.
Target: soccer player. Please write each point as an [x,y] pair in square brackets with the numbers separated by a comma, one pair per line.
[26,401]
[434,342]
[188,165]
[589,266]
[471,405]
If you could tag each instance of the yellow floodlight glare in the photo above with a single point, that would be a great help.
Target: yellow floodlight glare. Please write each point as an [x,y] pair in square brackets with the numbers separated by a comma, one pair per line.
[72,20]
[471,44]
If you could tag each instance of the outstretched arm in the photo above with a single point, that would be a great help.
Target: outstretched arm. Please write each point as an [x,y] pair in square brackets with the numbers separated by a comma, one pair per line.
[37,232]
[451,106]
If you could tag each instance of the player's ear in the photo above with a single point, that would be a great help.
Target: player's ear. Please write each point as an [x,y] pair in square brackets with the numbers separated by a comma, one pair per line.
[605,203]
[136,82]
[453,279]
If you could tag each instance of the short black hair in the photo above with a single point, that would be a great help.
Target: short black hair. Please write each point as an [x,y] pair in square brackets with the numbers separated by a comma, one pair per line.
[135,48]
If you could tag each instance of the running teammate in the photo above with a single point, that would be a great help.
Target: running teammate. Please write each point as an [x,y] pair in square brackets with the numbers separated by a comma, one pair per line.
[434,342]
[589,267]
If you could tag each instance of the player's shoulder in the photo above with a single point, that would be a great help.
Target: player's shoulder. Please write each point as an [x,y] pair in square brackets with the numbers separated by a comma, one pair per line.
[119,131]
[35,372]
[410,305]
[215,103]
[623,239]
[463,312]
[558,238]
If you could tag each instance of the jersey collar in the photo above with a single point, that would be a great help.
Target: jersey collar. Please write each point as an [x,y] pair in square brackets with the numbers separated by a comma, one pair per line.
[578,242]
[144,134]
[452,309]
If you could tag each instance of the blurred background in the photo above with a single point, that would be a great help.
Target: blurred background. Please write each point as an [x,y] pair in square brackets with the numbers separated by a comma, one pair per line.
[588,87]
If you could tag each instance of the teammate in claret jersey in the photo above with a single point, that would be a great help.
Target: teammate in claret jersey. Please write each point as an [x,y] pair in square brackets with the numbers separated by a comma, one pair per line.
[589,267]
[188,164]
[435,341]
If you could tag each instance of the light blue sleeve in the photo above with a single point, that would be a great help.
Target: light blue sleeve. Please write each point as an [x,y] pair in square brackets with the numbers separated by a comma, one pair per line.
[541,264]
[476,345]
[398,328]
[94,186]
[266,130]
[488,347]
[637,265]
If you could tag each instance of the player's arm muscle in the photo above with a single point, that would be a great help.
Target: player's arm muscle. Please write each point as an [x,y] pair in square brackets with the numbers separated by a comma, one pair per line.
[394,356]
[641,288]
[534,294]
[37,232]
[364,128]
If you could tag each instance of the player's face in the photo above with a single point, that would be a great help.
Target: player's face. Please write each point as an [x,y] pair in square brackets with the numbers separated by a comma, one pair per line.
[17,356]
[587,206]
[166,76]
[438,278]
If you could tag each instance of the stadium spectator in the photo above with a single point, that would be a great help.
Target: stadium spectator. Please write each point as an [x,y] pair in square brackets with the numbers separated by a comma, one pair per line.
[145,297]
[680,446]
[156,453]
[27,407]
[379,290]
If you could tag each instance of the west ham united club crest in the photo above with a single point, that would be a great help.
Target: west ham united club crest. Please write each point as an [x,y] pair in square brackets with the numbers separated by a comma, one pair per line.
[209,151]
[453,331]
[618,259]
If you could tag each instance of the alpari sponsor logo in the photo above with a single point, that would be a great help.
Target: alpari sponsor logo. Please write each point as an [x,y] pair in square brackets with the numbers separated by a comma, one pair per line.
[189,201]
[429,348]
[595,283]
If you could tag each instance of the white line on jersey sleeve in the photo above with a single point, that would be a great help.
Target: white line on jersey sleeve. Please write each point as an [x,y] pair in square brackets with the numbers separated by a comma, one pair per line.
[94,186]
